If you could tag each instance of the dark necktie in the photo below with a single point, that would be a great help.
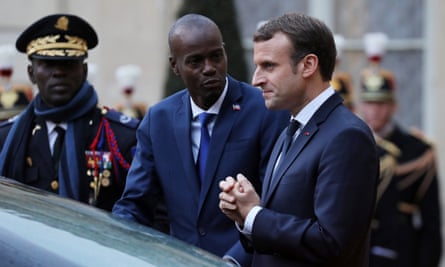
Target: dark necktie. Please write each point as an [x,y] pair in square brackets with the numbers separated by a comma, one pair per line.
[288,139]
[57,148]
[291,129]
[204,119]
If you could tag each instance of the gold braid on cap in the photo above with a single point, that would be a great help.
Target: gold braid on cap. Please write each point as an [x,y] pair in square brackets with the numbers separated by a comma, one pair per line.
[48,46]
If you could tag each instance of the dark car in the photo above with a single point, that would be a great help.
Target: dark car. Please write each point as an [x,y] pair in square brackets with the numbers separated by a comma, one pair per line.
[38,228]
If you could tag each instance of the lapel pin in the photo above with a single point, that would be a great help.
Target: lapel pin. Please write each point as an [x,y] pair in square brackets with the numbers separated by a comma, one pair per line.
[306,133]
[236,107]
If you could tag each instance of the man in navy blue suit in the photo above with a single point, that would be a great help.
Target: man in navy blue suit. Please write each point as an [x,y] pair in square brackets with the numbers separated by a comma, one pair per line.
[242,133]
[319,194]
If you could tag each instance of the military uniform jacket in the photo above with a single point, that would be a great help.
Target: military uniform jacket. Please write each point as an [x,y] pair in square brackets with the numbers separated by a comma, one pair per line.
[39,171]
[386,220]
[419,230]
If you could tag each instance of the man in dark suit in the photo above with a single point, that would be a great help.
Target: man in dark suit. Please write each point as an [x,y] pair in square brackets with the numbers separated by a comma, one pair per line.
[62,142]
[318,196]
[242,133]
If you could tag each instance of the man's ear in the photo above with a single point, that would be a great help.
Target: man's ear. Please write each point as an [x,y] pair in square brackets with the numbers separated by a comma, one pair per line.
[30,70]
[310,65]
[173,66]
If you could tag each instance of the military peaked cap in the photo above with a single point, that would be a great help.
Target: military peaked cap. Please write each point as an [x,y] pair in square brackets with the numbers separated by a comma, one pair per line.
[378,87]
[58,36]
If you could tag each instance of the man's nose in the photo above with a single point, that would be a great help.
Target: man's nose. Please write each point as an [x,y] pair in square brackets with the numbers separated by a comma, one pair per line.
[209,67]
[257,79]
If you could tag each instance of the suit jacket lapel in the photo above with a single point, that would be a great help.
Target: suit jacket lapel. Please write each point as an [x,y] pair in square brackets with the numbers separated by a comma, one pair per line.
[182,118]
[38,150]
[306,134]
[297,146]
[42,137]
[272,161]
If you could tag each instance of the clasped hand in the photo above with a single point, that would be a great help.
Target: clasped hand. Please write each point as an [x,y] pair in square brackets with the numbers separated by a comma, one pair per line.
[237,198]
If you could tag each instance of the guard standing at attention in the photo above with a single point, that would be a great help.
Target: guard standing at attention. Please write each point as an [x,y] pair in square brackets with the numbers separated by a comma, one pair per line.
[407,224]
[63,142]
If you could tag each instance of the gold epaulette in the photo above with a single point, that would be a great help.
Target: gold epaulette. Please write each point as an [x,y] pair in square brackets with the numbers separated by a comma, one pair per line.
[424,167]
[388,164]
[388,146]
[419,134]
[423,163]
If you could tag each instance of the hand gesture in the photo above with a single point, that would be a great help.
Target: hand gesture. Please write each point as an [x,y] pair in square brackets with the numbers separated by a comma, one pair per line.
[237,198]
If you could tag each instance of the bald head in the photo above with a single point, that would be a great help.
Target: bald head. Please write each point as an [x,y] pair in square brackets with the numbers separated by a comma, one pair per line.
[198,56]
[191,24]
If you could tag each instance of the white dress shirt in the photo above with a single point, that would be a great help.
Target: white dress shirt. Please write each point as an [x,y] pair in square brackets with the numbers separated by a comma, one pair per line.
[196,125]
[52,134]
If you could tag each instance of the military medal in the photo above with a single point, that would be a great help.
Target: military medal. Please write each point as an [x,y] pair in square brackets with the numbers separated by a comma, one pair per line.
[99,162]
[99,169]
[106,178]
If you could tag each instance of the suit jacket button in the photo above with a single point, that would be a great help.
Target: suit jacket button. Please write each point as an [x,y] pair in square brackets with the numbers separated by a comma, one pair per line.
[29,161]
[54,185]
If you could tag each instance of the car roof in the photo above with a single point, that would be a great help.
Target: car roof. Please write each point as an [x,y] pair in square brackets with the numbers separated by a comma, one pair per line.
[38,228]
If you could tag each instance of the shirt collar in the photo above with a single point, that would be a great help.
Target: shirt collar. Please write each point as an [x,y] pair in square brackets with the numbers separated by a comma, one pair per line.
[50,125]
[309,110]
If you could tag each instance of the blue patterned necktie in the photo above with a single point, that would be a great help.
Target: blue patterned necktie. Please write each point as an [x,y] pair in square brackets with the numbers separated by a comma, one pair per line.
[291,129]
[204,119]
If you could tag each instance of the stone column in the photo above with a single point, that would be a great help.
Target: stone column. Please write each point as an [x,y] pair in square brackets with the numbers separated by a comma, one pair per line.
[434,86]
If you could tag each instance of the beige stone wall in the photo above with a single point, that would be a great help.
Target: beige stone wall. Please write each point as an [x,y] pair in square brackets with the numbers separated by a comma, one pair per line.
[130,32]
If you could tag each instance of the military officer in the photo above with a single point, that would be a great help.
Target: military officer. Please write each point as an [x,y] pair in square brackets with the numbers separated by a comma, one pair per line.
[63,142]
[407,226]
[14,97]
